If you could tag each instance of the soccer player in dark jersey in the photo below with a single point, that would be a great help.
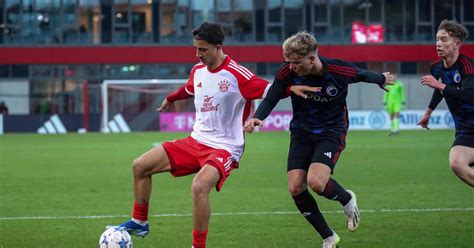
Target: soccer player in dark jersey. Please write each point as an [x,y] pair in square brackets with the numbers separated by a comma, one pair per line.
[452,78]
[318,128]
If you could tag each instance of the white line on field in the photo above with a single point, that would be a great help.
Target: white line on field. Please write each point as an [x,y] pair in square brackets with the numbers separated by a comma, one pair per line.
[233,213]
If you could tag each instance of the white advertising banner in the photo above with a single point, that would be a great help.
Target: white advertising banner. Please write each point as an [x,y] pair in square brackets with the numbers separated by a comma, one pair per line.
[380,120]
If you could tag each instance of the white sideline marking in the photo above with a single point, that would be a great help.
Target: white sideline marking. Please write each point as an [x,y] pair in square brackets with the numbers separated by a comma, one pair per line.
[235,213]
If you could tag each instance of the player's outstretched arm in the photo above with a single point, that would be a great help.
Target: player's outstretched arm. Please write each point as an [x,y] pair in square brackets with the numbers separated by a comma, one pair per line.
[165,105]
[301,90]
[251,124]
[425,120]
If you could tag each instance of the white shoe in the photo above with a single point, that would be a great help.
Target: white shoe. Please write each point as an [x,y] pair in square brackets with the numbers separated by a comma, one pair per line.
[332,241]
[351,211]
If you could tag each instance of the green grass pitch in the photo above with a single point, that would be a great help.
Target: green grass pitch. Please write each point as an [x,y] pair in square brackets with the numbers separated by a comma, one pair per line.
[61,191]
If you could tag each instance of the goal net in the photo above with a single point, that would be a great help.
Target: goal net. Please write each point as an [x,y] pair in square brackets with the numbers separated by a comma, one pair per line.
[131,104]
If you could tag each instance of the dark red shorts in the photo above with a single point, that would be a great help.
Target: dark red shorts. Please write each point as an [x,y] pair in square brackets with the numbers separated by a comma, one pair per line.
[187,156]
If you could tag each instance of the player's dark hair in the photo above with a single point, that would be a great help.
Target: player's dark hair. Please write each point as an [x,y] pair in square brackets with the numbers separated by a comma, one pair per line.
[454,29]
[211,32]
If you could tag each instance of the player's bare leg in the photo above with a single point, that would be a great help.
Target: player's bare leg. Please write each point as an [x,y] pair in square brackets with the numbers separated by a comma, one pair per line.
[460,159]
[203,182]
[151,162]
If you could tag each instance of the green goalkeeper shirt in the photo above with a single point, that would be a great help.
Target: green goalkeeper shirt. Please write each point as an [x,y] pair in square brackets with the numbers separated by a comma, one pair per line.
[395,94]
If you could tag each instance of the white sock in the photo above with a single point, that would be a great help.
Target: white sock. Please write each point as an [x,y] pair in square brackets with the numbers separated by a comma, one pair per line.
[140,222]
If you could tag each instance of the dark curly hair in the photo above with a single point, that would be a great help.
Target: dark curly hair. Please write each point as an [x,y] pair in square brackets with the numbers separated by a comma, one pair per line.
[211,32]
[454,29]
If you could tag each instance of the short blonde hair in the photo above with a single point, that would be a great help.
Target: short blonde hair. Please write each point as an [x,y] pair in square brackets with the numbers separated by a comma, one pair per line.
[300,44]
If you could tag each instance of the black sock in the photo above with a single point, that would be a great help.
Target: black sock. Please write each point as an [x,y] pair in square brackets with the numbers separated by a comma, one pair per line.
[309,208]
[334,191]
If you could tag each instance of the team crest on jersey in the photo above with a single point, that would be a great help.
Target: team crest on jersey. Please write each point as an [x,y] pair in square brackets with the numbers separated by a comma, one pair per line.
[332,91]
[224,85]
[457,77]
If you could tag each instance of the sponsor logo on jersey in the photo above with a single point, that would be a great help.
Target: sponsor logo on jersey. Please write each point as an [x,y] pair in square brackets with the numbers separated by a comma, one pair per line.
[224,85]
[332,91]
[457,77]
[318,98]
[207,104]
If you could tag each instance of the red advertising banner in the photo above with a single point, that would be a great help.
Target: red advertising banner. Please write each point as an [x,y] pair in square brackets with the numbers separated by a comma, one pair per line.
[362,34]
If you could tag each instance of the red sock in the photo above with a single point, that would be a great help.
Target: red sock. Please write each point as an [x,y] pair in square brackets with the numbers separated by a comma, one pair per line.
[140,211]
[199,238]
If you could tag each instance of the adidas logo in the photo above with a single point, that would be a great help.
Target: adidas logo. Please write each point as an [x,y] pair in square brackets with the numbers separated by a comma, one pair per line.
[117,125]
[220,159]
[328,154]
[52,126]
[199,85]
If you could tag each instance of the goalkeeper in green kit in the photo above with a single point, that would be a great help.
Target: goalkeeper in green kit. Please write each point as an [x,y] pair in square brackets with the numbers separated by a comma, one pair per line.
[394,101]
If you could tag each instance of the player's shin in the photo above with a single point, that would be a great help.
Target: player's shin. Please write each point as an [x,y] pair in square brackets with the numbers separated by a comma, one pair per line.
[310,210]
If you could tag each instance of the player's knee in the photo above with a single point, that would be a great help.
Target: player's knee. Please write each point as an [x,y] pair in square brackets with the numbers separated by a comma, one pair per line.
[199,189]
[316,185]
[138,166]
[296,189]
[457,164]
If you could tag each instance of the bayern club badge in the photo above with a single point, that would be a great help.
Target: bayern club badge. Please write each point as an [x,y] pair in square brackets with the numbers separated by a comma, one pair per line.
[224,85]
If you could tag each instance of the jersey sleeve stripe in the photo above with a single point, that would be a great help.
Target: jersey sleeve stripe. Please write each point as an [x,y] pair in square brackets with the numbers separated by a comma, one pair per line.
[349,74]
[467,65]
[343,68]
[246,76]
[189,92]
[283,72]
[241,67]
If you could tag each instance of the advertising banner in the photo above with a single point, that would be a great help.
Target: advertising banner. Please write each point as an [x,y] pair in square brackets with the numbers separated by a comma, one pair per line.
[358,120]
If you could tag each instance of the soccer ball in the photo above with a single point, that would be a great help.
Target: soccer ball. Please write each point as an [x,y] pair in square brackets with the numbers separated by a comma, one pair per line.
[115,238]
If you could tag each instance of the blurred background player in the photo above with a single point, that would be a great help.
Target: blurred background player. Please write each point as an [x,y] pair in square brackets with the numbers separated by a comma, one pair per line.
[318,128]
[452,78]
[394,101]
[3,108]
[222,91]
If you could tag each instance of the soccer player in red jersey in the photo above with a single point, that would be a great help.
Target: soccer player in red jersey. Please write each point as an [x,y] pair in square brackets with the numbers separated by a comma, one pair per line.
[452,78]
[223,91]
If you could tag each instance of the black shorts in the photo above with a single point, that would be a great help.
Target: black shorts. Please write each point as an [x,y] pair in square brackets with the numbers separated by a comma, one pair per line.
[464,140]
[307,148]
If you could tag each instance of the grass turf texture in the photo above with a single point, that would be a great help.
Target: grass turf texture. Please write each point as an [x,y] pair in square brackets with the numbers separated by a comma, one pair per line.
[90,175]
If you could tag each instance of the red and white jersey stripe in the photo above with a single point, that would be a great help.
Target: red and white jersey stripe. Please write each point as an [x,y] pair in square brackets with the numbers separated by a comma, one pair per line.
[222,98]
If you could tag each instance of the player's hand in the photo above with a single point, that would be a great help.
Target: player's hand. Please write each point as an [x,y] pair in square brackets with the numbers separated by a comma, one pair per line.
[388,80]
[301,90]
[430,81]
[250,124]
[165,105]
[425,120]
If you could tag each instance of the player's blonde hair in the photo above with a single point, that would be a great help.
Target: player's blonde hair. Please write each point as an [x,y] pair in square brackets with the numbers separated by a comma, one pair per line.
[300,44]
